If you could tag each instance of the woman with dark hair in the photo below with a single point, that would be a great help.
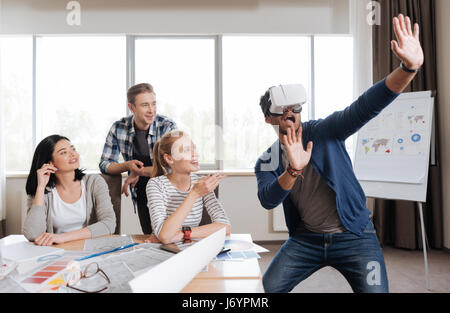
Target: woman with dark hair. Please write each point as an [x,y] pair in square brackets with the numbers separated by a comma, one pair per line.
[64,204]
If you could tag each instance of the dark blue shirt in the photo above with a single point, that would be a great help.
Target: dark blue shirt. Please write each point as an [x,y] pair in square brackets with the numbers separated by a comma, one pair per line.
[329,159]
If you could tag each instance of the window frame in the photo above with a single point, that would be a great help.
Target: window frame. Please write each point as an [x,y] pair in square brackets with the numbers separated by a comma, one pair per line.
[129,81]
[218,113]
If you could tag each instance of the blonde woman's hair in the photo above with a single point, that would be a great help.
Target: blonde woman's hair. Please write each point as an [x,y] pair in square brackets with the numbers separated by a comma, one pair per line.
[164,146]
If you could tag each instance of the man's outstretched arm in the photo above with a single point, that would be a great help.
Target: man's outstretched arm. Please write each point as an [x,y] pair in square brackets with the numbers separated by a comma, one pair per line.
[343,124]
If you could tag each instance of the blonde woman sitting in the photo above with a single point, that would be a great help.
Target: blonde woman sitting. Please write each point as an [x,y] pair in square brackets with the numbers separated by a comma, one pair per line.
[176,196]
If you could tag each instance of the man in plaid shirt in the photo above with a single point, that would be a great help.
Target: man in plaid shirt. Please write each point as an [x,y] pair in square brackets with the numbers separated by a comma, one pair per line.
[135,136]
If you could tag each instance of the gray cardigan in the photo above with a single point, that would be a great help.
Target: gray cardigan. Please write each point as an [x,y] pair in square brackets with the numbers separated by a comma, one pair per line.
[100,216]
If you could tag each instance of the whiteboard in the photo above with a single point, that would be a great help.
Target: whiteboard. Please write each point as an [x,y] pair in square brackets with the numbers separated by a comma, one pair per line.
[393,150]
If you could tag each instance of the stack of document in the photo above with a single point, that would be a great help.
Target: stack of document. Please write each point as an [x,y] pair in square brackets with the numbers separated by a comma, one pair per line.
[6,267]
[28,256]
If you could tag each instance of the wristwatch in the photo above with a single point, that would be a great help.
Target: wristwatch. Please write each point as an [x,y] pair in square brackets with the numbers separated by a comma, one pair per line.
[403,66]
[187,232]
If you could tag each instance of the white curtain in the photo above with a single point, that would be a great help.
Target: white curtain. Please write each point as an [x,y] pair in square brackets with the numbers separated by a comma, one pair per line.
[361,31]
[2,163]
[2,170]
[362,45]
[2,176]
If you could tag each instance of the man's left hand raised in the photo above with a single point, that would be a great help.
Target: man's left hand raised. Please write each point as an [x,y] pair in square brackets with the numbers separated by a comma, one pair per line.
[408,48]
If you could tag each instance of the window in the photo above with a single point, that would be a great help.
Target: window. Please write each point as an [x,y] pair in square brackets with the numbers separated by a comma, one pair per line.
[182,73]
[16,96]
[77,88]
[251,65]
[80,90]
[333,69]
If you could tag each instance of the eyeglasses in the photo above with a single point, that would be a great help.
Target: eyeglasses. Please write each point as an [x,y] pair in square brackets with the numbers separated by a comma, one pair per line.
[76,275]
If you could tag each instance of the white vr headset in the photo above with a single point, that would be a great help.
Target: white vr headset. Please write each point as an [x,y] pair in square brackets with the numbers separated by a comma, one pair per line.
[287,97]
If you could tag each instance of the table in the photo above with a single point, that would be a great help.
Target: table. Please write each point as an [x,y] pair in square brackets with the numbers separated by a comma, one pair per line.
[221,276]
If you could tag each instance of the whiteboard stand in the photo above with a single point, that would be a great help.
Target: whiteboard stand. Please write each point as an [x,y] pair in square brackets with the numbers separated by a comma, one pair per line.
[424,243]
[397,176]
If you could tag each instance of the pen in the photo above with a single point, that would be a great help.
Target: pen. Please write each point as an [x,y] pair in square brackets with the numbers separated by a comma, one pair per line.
[224,251]
[109,251]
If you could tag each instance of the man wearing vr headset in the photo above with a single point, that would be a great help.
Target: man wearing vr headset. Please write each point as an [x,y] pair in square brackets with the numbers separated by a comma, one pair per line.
[324,205]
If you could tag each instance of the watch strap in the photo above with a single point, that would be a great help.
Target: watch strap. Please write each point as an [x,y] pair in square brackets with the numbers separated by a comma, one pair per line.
[187,232]
[403,66]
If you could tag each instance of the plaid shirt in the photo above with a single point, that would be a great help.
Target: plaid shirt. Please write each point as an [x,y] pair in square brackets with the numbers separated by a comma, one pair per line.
[121,137]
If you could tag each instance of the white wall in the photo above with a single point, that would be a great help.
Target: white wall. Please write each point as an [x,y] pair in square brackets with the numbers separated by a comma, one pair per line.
[443,65]
[15,195]
[177,16]
[239,197]
[236,193]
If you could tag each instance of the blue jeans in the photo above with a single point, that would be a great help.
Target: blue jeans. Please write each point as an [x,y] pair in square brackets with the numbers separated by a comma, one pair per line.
[358,258]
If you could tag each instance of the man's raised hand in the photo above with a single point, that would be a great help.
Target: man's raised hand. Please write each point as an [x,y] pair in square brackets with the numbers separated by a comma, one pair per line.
[298,157]
[408,48]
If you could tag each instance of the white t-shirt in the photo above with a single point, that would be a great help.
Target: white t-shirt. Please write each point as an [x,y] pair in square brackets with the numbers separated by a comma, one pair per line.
[68,216]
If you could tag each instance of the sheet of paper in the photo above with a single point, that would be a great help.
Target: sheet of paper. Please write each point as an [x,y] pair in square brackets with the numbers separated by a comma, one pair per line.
[237,255]
[11,239]
[6,267]
[259,249]
[106,243]
[118,273]
[27,255]
[152,247]
[73,255]
[9,285]
[243,245]
[394,146]
[139,259]
[148,245]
